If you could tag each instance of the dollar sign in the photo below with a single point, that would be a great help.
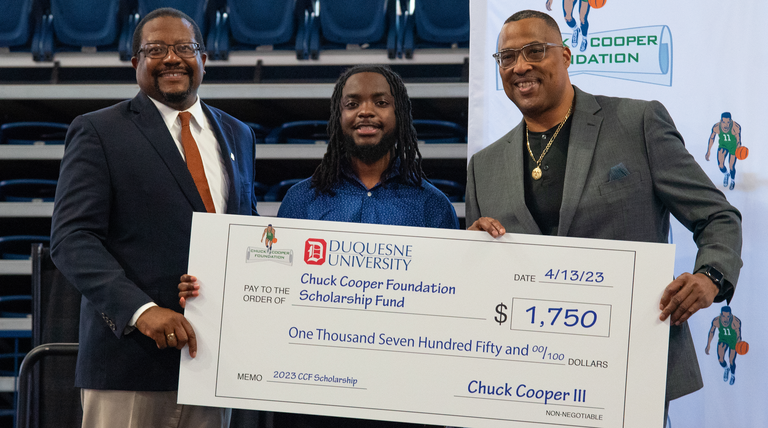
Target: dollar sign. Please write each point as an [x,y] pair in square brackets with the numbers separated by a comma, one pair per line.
[501,318]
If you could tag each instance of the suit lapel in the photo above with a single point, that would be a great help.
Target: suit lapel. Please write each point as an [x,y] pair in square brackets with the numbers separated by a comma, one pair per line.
[581,148]
[514,167]
[226,141]
[150,123]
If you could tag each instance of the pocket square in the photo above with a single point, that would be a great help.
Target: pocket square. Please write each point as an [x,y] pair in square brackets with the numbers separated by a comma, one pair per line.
[617,172]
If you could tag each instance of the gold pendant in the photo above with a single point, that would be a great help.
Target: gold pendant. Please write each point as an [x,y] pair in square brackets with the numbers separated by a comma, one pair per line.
[536,173]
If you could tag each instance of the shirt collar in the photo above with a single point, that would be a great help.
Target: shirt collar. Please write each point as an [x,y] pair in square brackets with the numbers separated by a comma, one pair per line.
[170,114]
[392,171]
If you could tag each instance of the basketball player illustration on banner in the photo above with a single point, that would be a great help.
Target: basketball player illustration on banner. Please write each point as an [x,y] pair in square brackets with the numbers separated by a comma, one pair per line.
[269,232]
[583,27]
[728,339]
[729,147]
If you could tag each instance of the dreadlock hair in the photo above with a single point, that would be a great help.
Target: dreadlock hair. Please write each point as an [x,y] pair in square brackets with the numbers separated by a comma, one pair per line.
[406,148]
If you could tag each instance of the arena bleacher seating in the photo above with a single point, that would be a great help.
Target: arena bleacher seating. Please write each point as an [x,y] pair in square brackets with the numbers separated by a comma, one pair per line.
[79,24]
[16,23]
[306,26]
[436,24]
[33,133]
[439,132]
[268,24]
[345,23]
[300,132]
[27,190]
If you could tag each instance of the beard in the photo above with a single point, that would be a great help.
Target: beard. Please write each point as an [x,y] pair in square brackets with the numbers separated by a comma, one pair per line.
[370,153]
[175,97]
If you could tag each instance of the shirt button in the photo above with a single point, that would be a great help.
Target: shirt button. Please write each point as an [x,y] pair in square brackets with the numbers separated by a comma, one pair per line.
[370,194]
[543,137]
[546,167]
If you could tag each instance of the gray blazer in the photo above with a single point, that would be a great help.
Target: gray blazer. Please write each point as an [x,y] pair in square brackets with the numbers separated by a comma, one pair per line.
[627,169]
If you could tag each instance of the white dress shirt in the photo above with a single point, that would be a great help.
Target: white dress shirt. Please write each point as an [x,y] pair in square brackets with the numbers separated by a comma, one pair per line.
[210,150]
[213,163]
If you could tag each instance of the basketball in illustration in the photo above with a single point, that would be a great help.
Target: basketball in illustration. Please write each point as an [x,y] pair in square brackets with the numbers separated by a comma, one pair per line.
[274,240]
[597,4]
[742,152]
[742,348]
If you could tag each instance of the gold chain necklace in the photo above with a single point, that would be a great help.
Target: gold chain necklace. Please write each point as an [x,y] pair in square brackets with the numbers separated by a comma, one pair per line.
[536,173]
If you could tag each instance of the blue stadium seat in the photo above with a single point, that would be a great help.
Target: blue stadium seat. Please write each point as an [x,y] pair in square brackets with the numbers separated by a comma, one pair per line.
[300,132]
[79,23]
[281,24]
[33,133]
[260,131]
[368,24]
[19,247]
[262,22]
[27,190]
[277,192]
[15,22]
[6,311]
[196,9]
[439,132]
[453,190]
[434,24]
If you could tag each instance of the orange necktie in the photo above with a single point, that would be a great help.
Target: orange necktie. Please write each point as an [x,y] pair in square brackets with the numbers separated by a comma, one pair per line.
[195,162]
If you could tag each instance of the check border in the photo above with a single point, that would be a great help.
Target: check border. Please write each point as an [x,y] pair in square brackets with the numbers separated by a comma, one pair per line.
[307,229]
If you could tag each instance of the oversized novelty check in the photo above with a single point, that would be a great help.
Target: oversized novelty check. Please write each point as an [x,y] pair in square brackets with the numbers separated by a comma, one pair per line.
[430,326]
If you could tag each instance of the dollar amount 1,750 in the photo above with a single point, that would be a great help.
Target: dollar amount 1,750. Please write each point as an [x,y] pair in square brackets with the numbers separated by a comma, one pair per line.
[561,317]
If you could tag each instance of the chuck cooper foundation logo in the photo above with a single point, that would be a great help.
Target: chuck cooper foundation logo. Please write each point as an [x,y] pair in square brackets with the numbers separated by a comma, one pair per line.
[642,54]
[268,253]
[358,254]
[258,254]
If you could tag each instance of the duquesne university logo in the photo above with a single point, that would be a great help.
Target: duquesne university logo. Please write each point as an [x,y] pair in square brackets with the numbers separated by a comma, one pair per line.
[314,251]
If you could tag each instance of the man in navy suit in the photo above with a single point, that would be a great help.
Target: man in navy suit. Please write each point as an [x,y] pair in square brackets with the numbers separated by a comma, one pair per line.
[131,177]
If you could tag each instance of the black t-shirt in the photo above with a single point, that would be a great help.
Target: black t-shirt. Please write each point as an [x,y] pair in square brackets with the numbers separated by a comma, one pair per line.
[545,195]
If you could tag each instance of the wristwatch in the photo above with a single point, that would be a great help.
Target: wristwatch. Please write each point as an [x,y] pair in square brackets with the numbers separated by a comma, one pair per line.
[725,288]
[715,275]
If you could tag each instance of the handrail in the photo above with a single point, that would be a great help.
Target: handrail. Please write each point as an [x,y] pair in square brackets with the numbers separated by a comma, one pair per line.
[25,370]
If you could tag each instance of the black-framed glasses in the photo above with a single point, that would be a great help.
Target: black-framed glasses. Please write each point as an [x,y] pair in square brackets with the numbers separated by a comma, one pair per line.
[160,50]
[532,52]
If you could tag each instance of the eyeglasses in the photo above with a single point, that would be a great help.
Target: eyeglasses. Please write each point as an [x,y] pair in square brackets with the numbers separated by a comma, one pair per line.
[533,52]
[160,50]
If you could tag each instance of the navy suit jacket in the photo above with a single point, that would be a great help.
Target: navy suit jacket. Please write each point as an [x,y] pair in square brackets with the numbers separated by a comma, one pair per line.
[121,229]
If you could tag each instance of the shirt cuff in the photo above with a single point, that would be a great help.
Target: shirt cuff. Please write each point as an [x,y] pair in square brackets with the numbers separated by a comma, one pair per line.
[725,293]
[132,322]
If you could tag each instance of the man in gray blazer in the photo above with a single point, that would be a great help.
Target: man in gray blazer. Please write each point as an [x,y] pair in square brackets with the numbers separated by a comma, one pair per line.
[599,167]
